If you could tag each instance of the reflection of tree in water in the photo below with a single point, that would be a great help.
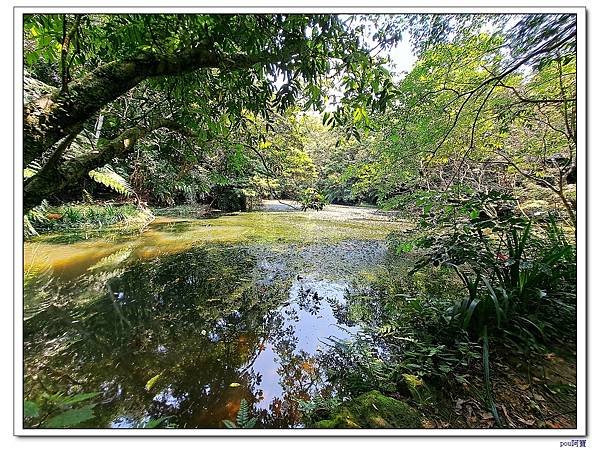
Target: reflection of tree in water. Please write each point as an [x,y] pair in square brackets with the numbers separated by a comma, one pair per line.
[301,374]
[192,319]
[196,322]
[309,300]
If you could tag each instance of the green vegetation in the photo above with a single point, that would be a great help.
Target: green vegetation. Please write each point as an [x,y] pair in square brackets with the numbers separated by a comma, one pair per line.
[372,410]
[243,419]
[207,195]
[60,411]
[81,216]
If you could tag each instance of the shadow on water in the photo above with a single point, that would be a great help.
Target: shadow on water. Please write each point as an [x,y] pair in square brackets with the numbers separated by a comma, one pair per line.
[190,335]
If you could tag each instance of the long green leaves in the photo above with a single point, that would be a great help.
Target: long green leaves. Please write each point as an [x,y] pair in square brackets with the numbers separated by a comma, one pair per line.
[486,374]
[59,410]
[71,417]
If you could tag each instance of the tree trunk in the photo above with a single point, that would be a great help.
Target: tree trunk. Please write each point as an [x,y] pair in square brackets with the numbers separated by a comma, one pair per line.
[55,115]
[58,173]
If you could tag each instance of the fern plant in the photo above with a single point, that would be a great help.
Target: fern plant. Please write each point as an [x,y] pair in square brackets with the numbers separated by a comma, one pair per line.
[317,408]
[109,178]
[243,419]
[38,216]
[59,410]
[28,229]
[31,169]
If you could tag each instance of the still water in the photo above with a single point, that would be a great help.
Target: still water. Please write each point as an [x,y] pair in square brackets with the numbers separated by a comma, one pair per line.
[191,316]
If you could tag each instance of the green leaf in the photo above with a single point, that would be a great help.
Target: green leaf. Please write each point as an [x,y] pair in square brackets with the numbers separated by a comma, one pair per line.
[78,398]
[31,409]
[71,417]
[152,381]
[156,422]
[250,423]
[229,424]
[469,313]
[109,178]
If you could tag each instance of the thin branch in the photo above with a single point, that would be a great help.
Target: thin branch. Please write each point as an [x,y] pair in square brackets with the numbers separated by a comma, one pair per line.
[65,45]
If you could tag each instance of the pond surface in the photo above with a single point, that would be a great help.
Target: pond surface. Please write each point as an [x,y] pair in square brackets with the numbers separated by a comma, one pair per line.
[191,316]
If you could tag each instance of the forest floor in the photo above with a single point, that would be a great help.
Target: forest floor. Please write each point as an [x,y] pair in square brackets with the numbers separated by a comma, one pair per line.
[538,392]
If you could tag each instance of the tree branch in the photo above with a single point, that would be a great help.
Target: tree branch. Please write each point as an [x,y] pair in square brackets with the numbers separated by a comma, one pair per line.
[65,45]
[49,118]
[58,172]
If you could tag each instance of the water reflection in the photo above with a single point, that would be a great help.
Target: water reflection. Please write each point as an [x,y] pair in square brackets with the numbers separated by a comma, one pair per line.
[191,335]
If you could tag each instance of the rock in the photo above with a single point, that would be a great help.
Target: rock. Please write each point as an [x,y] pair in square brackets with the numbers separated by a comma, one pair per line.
[372,410]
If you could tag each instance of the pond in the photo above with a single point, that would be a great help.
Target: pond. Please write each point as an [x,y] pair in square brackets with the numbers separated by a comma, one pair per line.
[189,317]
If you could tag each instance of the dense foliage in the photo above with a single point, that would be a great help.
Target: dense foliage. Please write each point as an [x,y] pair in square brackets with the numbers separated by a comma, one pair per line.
[188,107]
[476,144]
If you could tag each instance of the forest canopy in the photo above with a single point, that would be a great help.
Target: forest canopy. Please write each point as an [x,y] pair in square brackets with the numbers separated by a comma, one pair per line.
[183,106]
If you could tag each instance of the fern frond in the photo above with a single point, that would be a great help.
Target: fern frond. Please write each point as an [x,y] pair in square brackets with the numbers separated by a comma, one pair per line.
[243,416]
[39,213]
[28,229]
[243,419]
[229,424]
[109,178]
[31,169]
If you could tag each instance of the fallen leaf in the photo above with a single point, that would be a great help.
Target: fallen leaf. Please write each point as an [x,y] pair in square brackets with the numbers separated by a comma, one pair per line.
[152,381]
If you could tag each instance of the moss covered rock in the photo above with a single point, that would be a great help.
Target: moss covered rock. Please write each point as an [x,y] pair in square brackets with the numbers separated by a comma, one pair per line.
[372,410]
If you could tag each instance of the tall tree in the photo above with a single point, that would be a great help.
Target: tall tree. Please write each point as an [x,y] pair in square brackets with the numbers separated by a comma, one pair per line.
[200,63]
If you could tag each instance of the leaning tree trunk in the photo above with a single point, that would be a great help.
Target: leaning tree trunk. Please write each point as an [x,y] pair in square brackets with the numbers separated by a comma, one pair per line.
[61,171]
[56,115]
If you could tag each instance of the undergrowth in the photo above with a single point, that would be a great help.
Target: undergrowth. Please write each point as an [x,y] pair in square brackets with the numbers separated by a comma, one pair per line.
[78,216]
[483,278]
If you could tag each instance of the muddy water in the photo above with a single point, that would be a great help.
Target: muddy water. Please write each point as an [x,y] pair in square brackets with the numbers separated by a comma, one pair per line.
[190,317]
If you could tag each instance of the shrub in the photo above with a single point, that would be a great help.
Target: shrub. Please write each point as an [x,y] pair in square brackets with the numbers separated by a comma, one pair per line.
[506,262]
[311,199]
